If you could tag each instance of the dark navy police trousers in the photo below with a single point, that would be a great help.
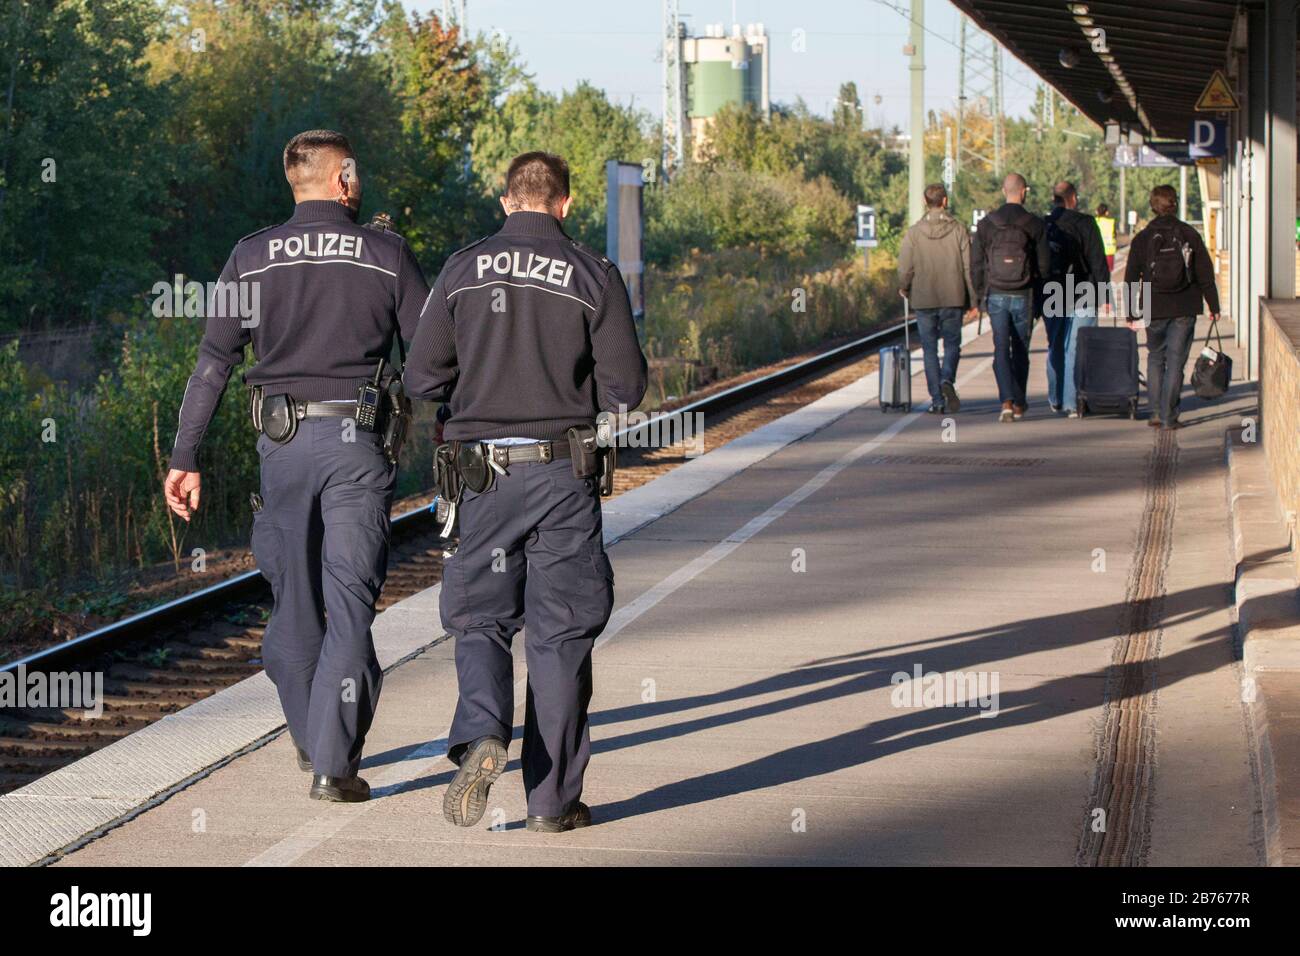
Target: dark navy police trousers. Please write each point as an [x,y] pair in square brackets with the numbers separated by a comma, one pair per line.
[530,554]
[321,539]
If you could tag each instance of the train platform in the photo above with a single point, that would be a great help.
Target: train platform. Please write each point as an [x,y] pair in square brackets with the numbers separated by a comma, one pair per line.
[848,637]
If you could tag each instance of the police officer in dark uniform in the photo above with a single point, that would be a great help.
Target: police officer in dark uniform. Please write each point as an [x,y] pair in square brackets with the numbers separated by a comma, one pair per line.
[330,297]
[529,337]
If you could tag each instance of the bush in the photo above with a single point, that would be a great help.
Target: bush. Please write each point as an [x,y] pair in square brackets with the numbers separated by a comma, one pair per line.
[738,309]
[82,471]
[710,208]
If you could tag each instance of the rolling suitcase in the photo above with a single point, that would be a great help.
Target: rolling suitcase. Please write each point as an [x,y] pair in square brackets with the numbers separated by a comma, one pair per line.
[1106,370]
[896,370]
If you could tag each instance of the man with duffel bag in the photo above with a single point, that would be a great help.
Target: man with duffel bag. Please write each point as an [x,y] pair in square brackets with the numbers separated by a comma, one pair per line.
[1171,257]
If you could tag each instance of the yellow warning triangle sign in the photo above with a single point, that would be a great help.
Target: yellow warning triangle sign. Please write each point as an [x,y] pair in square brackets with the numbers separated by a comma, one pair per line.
[1217,97]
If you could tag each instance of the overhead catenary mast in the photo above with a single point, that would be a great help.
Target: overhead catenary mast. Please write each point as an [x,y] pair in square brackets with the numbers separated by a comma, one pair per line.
[961,94]
[456,16]
[674,118]
[999,141]
[916,148]
[979,88]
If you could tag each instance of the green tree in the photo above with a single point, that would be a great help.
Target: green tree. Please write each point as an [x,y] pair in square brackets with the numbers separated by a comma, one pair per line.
[78,134]
[441,94]
[583,126]
[319,69]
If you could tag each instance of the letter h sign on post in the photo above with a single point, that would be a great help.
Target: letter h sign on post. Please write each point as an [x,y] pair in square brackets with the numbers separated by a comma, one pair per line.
[866,232]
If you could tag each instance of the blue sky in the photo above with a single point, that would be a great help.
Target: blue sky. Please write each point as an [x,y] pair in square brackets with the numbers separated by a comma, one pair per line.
[615,44]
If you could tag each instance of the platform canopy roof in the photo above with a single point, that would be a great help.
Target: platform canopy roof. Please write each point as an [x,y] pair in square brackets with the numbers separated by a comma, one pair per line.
[1158,54]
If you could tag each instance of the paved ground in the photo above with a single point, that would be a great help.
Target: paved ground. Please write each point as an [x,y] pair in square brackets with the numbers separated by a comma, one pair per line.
[745,709]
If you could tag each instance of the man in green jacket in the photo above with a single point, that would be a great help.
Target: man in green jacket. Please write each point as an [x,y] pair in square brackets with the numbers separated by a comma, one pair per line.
[934,272]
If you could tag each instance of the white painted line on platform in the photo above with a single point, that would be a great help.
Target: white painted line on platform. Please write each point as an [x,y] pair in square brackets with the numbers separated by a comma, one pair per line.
[424,760]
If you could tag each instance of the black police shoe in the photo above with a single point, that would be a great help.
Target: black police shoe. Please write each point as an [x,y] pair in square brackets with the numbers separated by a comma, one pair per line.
[466,797]
[575,819]
[304,761]
[936,408]
[339,789]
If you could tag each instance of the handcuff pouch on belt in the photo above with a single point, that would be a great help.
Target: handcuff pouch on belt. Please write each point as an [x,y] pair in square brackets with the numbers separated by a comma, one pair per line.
[275,416]
[472,466]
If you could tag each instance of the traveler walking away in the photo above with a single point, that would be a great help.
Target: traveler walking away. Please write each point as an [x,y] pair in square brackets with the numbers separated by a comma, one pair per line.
[934,273]
[1106,223]
[529,337]
[1080,287]
[1009,258]
[322,400]
[1171,256]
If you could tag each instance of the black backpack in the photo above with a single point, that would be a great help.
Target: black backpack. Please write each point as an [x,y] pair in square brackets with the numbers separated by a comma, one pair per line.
[1009,266]
[1169,260]
[1067,256]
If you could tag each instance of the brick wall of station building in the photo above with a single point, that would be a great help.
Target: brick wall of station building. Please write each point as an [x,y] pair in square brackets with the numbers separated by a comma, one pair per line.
[1280,400]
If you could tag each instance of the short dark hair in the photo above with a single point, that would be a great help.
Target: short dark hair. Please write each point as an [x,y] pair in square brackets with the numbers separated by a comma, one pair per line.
[304,154]
[935,194]
[1062,191]
[1103,209]
[1164,200]
[536,179]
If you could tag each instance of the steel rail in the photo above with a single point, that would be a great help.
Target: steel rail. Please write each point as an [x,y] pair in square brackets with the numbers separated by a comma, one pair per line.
[250,584]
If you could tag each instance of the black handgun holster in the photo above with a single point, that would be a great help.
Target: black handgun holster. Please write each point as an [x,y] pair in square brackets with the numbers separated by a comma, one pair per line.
[397,421]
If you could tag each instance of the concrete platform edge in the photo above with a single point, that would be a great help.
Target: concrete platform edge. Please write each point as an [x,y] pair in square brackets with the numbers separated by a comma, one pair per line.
[1261,589]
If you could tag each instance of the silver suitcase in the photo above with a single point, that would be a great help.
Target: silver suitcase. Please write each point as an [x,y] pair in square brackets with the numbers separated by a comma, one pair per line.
[896,370]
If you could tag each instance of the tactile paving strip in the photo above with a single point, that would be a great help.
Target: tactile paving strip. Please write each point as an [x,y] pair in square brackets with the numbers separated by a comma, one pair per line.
[1126,750]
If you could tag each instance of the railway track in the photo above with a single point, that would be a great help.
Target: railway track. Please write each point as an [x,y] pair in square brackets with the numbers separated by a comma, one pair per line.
[163,659]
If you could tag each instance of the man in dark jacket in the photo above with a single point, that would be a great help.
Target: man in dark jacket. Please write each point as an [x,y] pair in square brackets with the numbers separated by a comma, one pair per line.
[320,517]
[1078,287]
[1009,259]
[934,273]
[1171,256]
[526,334]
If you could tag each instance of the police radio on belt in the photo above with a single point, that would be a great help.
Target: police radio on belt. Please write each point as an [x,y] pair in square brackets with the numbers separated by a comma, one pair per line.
[368,397]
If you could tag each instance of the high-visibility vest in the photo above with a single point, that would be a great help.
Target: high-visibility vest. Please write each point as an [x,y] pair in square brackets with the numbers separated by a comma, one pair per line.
[1107,226]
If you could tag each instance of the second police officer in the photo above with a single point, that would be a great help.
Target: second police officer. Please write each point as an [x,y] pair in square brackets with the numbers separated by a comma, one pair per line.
[332,297]
[528,335]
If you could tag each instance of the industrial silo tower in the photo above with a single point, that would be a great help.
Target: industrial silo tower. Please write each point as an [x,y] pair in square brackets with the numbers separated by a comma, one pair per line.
[722,69]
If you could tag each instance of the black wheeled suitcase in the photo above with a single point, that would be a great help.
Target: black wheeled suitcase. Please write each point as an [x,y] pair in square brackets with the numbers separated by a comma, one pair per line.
[896,370]
[1106,370]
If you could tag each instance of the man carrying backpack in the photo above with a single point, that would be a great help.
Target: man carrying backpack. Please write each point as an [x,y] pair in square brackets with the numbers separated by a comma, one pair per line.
[1078,259]
[1171,256]
[1009,258]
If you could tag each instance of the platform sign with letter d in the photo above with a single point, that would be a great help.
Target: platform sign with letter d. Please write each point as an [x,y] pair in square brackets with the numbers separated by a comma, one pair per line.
[1207,138]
